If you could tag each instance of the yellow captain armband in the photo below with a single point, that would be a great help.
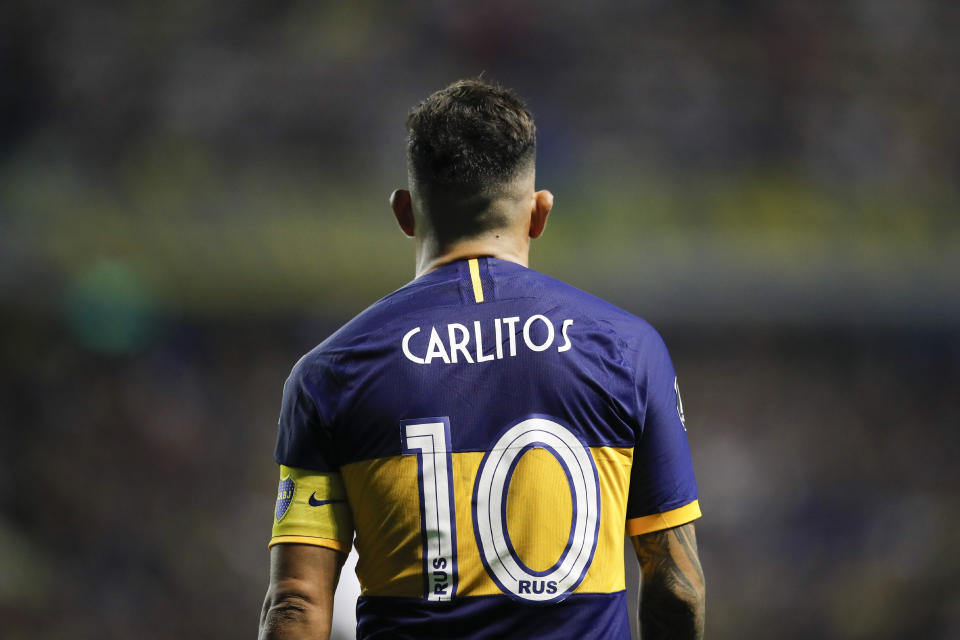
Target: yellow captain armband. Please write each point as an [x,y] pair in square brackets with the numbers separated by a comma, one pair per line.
[312,509]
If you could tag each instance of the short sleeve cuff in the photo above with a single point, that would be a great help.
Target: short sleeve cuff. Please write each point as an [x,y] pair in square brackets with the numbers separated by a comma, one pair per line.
[665,520]
[336,545]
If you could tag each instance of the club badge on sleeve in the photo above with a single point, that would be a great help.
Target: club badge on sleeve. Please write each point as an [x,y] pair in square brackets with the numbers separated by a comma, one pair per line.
[284,497]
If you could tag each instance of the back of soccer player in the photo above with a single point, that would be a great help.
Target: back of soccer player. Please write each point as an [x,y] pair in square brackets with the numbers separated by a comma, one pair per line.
[488,433]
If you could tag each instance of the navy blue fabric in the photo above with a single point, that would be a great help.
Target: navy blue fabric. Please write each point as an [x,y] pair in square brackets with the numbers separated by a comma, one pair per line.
[580,617]
[345,399]
[608,380]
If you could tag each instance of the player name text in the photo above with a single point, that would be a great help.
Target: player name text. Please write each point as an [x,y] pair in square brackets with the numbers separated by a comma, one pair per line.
[505,335]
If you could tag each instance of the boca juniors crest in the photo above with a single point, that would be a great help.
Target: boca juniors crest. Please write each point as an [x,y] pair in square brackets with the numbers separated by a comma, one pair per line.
[284,497]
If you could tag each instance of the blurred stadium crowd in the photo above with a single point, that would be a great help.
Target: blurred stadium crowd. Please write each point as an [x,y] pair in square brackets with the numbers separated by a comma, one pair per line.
[192,195]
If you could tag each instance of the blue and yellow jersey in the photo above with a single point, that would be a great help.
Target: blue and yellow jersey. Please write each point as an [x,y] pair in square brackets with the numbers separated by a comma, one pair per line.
[488,434]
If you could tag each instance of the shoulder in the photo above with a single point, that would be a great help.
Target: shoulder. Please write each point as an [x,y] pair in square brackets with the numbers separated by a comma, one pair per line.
[632,329]
[327,356]
[638,344]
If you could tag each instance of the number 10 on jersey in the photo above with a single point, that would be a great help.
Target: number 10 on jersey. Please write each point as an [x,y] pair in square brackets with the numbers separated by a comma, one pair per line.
[429,440]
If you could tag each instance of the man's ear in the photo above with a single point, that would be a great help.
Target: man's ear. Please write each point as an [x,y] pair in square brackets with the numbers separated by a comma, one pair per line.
[400,202]
[542,203]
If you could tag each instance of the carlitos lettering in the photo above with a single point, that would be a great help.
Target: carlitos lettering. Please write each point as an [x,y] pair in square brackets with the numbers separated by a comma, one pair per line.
[461,344]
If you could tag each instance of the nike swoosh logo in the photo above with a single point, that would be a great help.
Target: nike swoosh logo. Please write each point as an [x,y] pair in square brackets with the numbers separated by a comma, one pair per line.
[319,503]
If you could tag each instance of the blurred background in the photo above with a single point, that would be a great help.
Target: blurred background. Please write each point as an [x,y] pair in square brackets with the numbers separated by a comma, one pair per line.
[193,194]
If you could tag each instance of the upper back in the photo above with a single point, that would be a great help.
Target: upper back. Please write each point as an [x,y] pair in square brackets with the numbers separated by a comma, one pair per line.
[484,420]
[484,349]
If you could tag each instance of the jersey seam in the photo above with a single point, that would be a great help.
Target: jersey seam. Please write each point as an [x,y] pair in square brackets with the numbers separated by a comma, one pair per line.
[491,267]
[326,422]
[641,410]
[622,347]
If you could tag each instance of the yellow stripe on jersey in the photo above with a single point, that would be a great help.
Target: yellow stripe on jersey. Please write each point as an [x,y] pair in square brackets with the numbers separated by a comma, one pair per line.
[539,509]
[387,517]
[665,520]
[386,500]
[475,277]
[318,512]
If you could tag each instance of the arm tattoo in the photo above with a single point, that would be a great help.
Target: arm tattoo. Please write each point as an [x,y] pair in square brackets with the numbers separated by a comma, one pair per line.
[671,595]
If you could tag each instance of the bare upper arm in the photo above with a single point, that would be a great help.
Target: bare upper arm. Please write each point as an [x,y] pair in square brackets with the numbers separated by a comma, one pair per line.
[314,567]
[672,587]
[299,601]
[671,556]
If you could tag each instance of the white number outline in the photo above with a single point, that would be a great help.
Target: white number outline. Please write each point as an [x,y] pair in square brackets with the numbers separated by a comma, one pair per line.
[500,559]
[429,439]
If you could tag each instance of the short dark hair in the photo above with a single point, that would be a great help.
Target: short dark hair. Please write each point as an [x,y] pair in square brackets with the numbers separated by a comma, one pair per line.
[470,137]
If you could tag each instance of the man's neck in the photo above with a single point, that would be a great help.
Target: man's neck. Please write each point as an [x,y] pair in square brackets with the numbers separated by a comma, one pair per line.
[502,246]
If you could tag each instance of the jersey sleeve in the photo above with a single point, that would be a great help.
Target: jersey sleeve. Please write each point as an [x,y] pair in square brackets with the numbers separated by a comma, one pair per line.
[312,505]
[663,490]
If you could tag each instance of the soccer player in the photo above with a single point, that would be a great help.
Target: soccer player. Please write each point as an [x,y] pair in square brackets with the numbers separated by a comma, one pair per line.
[488,433]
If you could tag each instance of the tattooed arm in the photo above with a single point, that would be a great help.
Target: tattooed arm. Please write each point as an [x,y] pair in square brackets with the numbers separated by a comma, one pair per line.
[672,588]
